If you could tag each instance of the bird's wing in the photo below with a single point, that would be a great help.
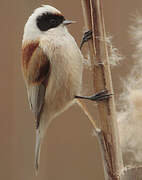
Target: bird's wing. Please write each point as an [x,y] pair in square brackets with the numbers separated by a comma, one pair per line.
[37,71]
[36,95]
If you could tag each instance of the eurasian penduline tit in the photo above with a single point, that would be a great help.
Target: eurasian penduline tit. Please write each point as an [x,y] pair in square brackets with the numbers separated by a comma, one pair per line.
[52,66]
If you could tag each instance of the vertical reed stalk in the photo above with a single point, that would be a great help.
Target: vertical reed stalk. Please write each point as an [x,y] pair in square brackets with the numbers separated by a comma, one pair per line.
[108,134]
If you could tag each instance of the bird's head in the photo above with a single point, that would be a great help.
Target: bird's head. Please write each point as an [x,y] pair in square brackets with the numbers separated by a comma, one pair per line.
[43,20]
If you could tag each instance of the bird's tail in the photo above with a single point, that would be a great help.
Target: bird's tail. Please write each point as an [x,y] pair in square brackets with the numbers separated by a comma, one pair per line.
[37,150]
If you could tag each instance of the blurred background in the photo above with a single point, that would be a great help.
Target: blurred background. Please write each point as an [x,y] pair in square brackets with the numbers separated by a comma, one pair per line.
[69,152]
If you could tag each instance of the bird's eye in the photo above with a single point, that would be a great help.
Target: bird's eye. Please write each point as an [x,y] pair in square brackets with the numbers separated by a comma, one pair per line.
[53,21]
[47,21]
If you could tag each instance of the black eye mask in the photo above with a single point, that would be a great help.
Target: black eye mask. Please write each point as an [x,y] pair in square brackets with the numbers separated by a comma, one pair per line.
[47,21]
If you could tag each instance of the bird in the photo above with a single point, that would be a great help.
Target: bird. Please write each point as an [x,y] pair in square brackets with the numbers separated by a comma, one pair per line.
[52,66]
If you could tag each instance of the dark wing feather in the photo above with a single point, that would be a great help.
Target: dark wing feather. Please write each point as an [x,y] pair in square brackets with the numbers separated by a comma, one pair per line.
[37,76]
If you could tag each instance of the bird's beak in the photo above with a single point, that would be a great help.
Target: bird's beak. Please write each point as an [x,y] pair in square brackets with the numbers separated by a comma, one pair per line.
[67,22]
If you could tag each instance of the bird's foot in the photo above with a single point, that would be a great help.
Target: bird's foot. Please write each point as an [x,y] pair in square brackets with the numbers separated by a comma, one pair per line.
[87,35]
[103,95]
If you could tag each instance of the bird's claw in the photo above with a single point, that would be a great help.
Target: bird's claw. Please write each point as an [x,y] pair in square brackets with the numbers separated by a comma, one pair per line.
[103,95]
[87,35]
